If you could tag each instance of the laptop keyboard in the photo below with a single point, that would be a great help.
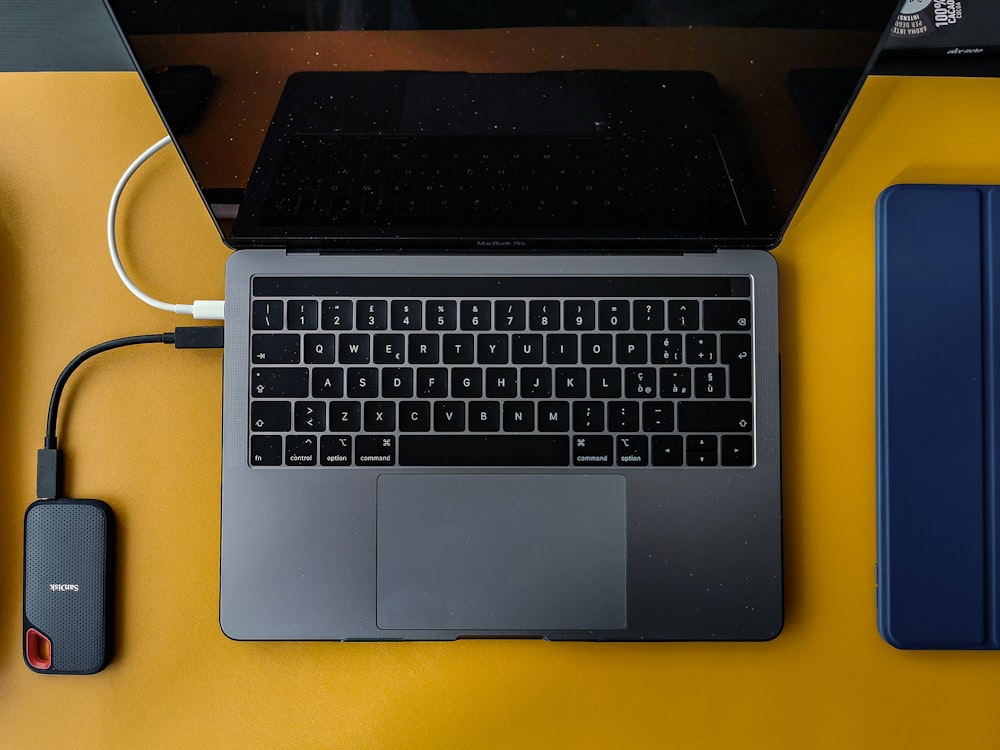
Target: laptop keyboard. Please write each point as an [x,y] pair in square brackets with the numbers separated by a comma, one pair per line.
[501,372]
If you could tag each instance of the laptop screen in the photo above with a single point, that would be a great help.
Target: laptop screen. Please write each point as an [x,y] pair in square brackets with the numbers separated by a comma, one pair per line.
[429,124]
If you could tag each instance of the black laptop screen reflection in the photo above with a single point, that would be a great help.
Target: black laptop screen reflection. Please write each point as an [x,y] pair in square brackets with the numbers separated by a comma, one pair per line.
[656,123]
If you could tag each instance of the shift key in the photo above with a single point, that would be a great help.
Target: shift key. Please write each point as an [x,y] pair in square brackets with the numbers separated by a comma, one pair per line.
[279,382]
[715,416]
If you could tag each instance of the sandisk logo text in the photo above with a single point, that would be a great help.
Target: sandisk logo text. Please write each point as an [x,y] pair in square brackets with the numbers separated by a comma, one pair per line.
[64,587]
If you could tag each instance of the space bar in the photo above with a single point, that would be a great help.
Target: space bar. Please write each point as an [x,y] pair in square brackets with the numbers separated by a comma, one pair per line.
[483,450]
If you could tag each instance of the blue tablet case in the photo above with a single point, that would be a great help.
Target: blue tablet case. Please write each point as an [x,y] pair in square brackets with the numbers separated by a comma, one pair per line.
[938,395]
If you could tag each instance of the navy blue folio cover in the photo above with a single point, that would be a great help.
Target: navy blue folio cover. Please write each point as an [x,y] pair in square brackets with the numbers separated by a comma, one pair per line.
[938,392]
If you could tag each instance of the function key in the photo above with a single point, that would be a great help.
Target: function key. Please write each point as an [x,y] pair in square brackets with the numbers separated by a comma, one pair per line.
[543,315]
[337,315]
[682,315]
[647,315]
[510,315]
[613,315]
[265,450]
[442,315]
[727,315]
[268,315]
[373,315]
[474,315]
[303,314]
[405,315]
[579,315]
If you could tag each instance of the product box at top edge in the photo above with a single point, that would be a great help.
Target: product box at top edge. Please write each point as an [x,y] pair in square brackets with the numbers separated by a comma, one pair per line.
[945,27]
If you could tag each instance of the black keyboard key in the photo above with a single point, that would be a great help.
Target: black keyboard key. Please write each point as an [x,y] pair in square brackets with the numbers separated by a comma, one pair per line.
[561,349]
[405,315]
[442,315]
[354,348]
[632,450]
[458,349]
[310,416]
[518,416]
[715,416]
[501,382]
[736,350]
[466,382]
[424,349]
[328,382]
[474,315]
[335,450]
[640,382]
[267,315]
[345,416]
[613,315]
[683,315]
[275,348]
[379,416]
[648,315]
[675,382]
[536,382]
[484,450]
[623,416]
[657,416]
[415,416]
[432,382]
[362,382]
[484,416]
[301,450]
[337,315]
[553,416]
[397,382]
[666,349]
[710,382]
[266,450]
[279,382]
[270,416]
[526,349]
[593,450]
[701,450]
[510,315]
[571,382]
[375,450]
[543,315]
[727,315]
[449,416]
[631,349]
[318,349]
[389,348]
[303,315]
[579,315]
[605,382]
[667,450]
[700,348]
[492,349]
[588,416]
[596,348]
[737,450]
[372,315]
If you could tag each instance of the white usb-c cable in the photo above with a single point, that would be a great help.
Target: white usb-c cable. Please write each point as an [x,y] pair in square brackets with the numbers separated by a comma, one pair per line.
[199,309]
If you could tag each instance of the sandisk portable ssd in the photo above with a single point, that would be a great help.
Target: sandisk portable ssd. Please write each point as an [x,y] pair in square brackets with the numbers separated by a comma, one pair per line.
[68,546]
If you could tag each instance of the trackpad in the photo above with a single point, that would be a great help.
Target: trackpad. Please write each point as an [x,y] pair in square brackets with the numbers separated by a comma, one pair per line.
[501,552]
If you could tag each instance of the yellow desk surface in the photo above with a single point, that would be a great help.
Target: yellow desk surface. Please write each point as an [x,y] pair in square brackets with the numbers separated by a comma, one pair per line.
[141,430]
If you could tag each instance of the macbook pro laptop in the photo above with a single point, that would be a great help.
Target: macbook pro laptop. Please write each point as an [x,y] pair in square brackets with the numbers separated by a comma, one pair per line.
[501,324]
